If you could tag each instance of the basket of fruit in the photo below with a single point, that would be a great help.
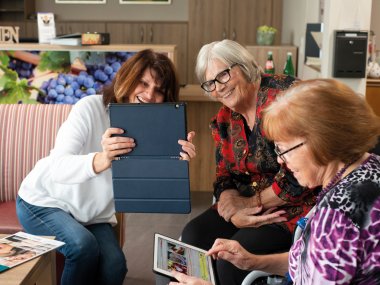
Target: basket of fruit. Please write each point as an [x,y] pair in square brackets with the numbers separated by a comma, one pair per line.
[265,35]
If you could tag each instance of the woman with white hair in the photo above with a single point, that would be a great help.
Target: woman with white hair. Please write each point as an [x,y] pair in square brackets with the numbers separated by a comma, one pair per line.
[247,174]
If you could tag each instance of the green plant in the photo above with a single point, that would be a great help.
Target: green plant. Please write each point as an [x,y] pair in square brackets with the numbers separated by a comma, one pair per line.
[267,29]
[12,89]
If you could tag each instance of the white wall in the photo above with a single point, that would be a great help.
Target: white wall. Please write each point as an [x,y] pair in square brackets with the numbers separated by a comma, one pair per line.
[375,21]
[296,14]
[113,11]
[338,15]
[344,15]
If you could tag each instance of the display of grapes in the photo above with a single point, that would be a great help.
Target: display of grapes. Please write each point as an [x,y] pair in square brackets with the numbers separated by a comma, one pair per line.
[105,73]
[69,88]
[24,69]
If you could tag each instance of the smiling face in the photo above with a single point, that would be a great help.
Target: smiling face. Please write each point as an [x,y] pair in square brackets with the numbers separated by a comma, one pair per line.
[300,162]
[148,90]
[236,94]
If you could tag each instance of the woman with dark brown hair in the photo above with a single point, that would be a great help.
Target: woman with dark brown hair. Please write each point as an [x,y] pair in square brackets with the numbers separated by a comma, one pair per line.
[69,193]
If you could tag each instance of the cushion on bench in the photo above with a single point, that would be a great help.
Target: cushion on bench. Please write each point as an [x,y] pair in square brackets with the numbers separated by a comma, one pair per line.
[27,133]
[9,222]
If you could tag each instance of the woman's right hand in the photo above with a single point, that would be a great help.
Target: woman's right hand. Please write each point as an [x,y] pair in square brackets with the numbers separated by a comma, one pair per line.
[233,252]
[230,202]
[113,146]
[254,217]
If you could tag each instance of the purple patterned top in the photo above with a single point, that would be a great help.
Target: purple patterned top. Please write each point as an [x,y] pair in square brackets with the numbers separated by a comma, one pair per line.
[341,241]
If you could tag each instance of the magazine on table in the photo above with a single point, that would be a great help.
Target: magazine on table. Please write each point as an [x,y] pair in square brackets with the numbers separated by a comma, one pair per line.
[20,247]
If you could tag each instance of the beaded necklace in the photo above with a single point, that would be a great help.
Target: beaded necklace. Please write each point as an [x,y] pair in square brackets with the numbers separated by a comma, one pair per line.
[333,181]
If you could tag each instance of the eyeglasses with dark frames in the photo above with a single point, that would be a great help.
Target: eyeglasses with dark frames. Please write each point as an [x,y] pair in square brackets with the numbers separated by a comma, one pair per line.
[281,154]
[222,77]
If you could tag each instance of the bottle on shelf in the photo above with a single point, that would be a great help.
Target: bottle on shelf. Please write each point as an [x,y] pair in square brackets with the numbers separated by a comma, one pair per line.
[289,68]
[269,65]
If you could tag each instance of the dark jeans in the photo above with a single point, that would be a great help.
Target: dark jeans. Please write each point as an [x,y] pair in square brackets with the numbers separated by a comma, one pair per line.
[208,226]
[92,253]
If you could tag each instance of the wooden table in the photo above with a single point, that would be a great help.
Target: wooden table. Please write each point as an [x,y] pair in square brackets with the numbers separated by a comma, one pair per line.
[38,271]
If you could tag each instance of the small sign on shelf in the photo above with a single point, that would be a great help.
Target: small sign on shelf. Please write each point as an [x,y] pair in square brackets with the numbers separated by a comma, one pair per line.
[9,35]
[46,27]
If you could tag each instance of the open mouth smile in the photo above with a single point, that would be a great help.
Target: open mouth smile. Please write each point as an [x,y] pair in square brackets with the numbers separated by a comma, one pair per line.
[141,101]
[227,94]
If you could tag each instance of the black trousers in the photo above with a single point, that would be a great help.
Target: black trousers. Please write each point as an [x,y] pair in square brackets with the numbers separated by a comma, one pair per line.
[208,226]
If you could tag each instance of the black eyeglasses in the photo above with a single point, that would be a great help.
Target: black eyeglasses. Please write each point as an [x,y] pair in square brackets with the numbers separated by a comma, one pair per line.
[222,77]
[281,154]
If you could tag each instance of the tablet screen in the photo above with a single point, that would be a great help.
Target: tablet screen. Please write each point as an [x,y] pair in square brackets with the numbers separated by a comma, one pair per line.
[171,254]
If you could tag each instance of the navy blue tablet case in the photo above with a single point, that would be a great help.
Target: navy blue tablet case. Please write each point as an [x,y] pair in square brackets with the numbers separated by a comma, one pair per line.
[151,178]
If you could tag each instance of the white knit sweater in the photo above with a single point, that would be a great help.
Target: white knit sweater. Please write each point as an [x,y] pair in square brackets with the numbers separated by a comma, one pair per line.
[66,179]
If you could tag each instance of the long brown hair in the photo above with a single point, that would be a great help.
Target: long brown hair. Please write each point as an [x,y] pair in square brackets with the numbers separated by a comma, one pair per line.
[130,73]
[336,123]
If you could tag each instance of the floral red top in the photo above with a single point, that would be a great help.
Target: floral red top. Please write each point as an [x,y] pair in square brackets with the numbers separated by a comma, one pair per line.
[246,161]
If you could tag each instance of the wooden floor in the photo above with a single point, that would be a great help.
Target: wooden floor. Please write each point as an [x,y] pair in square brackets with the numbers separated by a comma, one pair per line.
[140,229]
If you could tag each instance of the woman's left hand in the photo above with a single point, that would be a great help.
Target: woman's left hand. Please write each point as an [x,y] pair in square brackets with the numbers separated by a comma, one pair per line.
[188,147]
[189,280]
[253,217]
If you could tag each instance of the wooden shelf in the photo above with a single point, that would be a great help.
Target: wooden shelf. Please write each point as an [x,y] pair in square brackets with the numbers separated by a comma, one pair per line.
[170,50]
[375,82]
[121,47]
[317,68]
[279,52]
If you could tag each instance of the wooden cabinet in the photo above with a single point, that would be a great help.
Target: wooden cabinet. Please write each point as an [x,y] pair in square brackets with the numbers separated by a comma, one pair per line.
[20,13]
[373,95]
[237,20]
[279,55]
[247,15]
[31,30]
[17,10]
[169,33]
[208,22]
[153,33]
[21,24]
[79,27]
[116,32]
[28,29]
[200,109]
[202,167]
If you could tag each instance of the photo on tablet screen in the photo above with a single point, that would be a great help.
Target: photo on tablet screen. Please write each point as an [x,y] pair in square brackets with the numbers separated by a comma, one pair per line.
[171,254]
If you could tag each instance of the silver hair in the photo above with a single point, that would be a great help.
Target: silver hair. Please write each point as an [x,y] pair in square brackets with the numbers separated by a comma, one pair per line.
[228,52]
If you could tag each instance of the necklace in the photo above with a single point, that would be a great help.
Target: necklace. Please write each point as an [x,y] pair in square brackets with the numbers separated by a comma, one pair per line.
[333,181]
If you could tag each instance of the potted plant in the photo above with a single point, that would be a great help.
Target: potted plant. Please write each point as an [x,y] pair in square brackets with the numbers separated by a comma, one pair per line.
[265,35]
